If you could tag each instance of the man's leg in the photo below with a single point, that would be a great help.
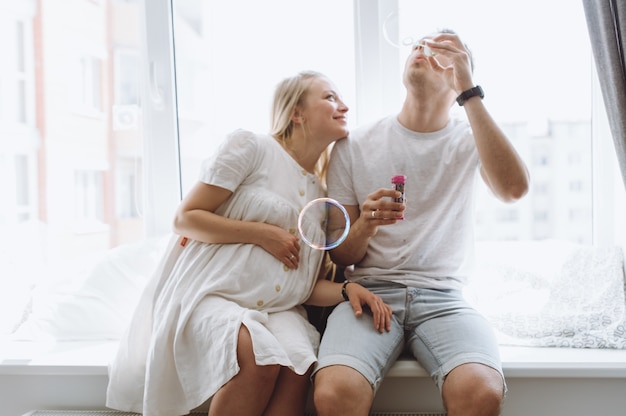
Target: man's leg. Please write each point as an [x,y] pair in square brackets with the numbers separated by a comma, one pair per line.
[354,357]
[341,390]
[473,389]
[457,346]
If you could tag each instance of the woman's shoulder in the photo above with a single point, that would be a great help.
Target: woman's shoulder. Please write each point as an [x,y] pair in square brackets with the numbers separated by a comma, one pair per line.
[244,136]
[247,142]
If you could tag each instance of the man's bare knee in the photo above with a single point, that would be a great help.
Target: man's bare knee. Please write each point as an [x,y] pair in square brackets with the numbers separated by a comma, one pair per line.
[473,389]
[341,390]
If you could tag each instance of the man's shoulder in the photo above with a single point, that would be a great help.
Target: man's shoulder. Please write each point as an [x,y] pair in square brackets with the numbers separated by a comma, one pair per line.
[374,125]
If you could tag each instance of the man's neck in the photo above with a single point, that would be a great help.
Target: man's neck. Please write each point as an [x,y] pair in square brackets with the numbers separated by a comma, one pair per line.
[424,115]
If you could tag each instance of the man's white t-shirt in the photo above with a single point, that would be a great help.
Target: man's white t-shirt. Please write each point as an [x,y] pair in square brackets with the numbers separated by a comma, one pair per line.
[433,246]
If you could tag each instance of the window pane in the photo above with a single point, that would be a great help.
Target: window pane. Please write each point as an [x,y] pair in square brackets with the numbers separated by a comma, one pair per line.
[126,76]
[228,62]
[71,151]
[538,88]
[68,162]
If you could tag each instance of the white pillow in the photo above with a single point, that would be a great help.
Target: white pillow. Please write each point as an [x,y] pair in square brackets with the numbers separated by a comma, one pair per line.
[551,293]
[92,299]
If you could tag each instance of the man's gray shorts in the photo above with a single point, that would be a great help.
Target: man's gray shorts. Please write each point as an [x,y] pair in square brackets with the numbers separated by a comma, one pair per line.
[438,327]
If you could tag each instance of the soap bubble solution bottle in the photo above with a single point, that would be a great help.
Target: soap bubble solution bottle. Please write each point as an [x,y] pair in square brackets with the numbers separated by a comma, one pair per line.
[398,182]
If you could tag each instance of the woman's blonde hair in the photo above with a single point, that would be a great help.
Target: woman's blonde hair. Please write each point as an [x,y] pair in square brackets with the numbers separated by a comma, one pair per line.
[289,94]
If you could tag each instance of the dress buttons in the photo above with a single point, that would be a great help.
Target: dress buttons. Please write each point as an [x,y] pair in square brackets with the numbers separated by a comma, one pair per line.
[285,268]
[304,172]
[259,303]
[301,192]
[292,231]
[277,287]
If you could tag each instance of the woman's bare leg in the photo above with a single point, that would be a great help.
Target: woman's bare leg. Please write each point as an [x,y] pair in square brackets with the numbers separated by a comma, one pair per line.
[249,392]
[290,394]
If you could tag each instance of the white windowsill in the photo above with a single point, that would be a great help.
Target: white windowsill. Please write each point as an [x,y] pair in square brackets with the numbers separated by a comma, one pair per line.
[537,362]
[92,358]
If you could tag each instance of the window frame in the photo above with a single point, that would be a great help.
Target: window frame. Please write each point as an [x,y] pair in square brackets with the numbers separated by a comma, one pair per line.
[161,154]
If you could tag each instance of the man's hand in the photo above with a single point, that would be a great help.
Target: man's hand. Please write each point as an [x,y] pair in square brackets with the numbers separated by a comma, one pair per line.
[380,208]
[452,59]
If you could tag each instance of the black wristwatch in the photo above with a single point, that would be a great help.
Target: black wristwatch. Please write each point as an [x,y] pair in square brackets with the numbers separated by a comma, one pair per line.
[344,293]
[467,94]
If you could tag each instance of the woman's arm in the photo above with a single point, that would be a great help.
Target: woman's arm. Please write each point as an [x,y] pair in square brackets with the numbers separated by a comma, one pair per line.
[327,293]
[195,218]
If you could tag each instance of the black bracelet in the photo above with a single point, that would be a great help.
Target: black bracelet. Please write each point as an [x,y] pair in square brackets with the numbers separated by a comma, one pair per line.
[343,290]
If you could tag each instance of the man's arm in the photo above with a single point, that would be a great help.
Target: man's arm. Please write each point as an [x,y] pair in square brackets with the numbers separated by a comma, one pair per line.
[502,168]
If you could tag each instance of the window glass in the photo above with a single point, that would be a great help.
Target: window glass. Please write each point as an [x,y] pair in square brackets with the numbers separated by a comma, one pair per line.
[541,96]
[72,151]
[70,136]
[88,197]
[126,76]
[228,63]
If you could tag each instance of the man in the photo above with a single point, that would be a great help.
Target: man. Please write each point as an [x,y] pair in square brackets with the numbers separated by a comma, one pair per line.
[418,264]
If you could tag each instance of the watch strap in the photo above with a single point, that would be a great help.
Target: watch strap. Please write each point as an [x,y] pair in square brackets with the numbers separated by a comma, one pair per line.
[344,293]
[476,91]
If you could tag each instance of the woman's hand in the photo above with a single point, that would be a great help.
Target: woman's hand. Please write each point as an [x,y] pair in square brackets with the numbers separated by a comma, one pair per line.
[196,218]
[360,296]
[282,244]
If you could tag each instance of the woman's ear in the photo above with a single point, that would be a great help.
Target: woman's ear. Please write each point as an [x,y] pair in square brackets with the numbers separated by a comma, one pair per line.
[297,117]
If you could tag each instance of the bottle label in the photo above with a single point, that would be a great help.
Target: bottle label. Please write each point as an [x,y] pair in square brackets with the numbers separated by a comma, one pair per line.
[398,184]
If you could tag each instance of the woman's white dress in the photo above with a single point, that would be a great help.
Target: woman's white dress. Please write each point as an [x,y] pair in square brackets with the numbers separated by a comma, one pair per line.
[180,347]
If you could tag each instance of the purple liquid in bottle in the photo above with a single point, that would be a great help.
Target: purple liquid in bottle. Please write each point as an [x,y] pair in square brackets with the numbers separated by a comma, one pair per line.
[398,182]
